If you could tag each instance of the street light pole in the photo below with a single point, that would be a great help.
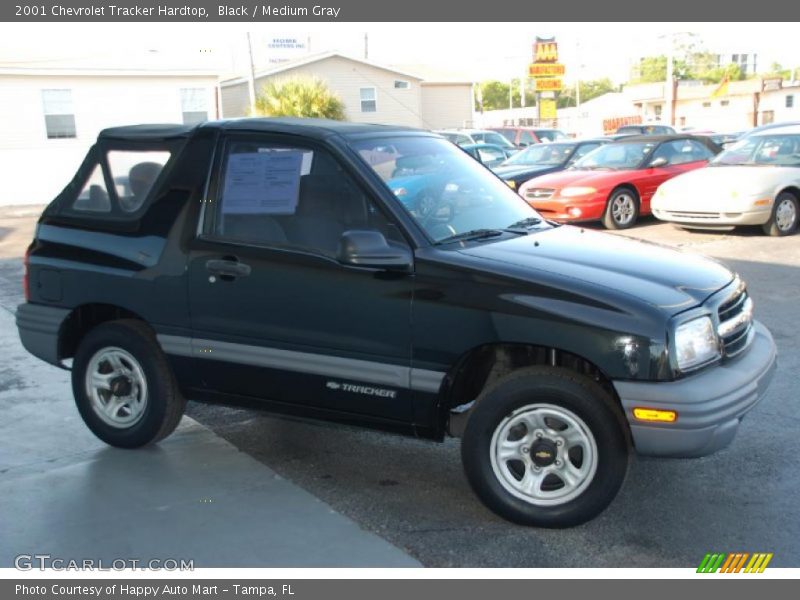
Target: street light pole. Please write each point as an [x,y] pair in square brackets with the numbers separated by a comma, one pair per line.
[251,80]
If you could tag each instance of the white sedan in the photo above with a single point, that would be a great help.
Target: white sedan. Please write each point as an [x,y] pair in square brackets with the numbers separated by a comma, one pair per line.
[756,181]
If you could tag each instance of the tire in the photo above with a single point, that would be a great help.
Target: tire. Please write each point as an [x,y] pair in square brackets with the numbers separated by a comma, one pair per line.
[784,217]
[123,386]
[622,209]
[560,397]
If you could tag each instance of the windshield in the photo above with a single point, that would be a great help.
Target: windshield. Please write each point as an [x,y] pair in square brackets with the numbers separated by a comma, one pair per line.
[616,156]
[492,137]
[447,192]
[542,154]
[776,150]
[550,135]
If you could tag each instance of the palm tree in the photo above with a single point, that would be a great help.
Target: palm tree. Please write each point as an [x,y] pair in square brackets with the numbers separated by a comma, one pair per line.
[298,97]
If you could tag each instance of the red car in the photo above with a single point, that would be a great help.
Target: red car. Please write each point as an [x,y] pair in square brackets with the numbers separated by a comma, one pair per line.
[615,182]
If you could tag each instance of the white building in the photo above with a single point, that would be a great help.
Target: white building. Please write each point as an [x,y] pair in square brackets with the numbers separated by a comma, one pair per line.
[781,105]
[371,93]
[52,112]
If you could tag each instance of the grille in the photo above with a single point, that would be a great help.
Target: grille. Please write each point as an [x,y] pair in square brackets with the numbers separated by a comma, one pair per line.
[539,193]
[692,215]
[735,323]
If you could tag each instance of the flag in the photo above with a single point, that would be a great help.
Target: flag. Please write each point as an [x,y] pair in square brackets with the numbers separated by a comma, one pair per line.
[722,88]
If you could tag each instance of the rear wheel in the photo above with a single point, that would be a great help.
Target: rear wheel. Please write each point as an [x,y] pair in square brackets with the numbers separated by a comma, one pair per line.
[123,386]
[622,209]
[783,220]
[546,447]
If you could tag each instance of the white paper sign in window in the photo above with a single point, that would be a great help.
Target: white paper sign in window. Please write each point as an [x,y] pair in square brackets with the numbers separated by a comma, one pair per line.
[264,183]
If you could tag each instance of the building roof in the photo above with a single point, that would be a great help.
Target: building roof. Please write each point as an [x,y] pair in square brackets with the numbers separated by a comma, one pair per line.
[310,59]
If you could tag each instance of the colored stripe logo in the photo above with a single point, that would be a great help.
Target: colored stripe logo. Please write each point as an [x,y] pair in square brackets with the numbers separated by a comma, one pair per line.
[735,562]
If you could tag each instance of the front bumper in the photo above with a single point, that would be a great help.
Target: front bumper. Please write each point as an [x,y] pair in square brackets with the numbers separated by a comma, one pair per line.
[560,209]
[710,404]
[713,219]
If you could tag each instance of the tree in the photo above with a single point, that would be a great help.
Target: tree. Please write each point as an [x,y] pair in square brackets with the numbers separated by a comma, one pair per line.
[777,70]
[691,64]
[589,90]
[494,95]
[298,97]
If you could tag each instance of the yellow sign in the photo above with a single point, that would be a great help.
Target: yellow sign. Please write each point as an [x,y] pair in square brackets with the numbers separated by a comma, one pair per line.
[547,109]
[546,70]
[545,50]
[552,84]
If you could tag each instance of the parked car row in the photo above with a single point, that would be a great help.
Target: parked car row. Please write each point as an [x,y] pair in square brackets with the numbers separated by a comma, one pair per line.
[677,177]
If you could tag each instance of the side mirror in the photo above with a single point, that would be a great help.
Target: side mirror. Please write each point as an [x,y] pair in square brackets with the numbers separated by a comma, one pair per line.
[659,162]
[368,248]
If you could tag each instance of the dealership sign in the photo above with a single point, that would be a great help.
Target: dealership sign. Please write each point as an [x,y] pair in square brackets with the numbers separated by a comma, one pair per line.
[537,70]
[551,84]
[545,50]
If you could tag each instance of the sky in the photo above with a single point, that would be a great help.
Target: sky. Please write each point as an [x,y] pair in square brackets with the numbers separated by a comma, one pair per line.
[478,50]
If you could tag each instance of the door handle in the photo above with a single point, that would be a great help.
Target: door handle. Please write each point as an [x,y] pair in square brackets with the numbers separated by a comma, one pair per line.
[227,269]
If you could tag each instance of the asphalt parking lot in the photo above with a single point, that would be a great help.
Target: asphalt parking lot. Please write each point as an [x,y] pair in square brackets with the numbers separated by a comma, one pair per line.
[414,495]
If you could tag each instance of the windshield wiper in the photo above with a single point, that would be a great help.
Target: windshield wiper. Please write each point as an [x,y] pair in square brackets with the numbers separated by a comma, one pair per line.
[476,234]
[523,224]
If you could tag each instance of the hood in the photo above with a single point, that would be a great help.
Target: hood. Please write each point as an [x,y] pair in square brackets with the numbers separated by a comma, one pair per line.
[744,179]
[572,177]
[669,279]
[513,171]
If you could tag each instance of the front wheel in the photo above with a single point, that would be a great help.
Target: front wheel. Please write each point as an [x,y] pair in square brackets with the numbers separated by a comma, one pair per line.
[123,386]
[783,220]
[546,447]
[622,209]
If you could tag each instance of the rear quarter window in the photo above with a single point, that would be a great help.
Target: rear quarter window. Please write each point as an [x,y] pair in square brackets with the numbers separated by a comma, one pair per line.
[120,183]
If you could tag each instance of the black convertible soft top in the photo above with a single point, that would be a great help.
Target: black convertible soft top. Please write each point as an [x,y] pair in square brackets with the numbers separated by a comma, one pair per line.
[315,128]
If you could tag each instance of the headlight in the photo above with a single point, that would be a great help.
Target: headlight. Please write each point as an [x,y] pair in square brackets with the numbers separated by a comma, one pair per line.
[569,192]
[696,343]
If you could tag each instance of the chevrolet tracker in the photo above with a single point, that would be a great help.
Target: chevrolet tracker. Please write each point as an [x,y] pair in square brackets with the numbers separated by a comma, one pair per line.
[273,262]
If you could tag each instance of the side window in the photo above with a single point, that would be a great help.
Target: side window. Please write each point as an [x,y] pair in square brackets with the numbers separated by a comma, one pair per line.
[687,151]
[667,150]
[290,196]
[526,137]
[583,151]
[134,174]
[94,195]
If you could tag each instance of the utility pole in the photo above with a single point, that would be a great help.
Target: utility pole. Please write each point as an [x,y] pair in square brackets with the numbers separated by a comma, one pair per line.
[251,81]
[669,87]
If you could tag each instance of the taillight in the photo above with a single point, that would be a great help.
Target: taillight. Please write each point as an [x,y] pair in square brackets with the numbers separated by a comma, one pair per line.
[26,283]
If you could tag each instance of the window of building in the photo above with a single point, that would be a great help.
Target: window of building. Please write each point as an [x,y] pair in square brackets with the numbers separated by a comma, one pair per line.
[59,115]
[706,104]
[368,99]
[194,105]
[724,102]
[401,84]
[789,101]
[767,117]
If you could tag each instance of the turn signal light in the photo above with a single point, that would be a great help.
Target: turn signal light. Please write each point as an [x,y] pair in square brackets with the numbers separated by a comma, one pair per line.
[653,414]
[762,202]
